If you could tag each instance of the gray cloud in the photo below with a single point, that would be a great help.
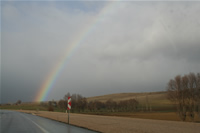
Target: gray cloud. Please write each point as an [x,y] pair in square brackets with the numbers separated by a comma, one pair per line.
[133,47]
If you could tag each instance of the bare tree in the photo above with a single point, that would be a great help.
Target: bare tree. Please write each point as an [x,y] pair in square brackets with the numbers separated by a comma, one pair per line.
[66,96]
[133,104]
[185,92]
[62,104]
[110,105]
[18,102]
[90,106]
[176,94]
[198,94]
[74,97]
[147,102]
[81,104]
[191,94]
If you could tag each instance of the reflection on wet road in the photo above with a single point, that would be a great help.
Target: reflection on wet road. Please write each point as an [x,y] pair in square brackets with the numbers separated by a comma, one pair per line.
[15,122]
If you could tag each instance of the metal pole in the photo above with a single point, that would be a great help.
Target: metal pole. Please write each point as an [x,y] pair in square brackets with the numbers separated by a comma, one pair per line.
[68,116]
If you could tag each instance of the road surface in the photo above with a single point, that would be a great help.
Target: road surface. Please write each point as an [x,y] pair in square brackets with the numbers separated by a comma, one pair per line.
[16,122]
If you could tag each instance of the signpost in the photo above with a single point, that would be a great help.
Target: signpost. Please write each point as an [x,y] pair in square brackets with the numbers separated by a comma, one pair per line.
[69,107]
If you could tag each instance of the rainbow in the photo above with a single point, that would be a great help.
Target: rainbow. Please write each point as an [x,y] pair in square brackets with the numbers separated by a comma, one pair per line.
[54,74]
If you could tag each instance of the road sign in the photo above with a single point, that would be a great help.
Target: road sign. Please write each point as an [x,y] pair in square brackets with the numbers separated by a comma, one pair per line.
[69,106]
[69,103]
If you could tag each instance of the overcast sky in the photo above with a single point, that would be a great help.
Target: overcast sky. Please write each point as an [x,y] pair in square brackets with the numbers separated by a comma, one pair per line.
[133,47]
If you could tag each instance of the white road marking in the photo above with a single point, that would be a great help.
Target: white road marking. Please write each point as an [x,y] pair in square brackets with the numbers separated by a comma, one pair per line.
[41,128]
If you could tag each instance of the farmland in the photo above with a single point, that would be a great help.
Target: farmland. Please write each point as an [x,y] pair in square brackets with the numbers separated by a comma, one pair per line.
[154,101]
[153,109]
[152,105]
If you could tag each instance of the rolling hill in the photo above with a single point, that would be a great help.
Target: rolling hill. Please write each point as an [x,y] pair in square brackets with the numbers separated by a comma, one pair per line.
[153,99]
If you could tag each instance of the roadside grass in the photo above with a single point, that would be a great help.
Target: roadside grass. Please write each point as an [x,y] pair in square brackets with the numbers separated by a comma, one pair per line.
[24,106]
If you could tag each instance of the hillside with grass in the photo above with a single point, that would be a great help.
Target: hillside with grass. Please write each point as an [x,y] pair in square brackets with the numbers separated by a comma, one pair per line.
[153,100]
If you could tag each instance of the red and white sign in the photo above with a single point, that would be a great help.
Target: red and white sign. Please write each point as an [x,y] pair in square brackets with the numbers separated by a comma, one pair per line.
[69,103]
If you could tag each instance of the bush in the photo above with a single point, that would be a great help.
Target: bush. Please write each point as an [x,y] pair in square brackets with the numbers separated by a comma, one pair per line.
[50,108]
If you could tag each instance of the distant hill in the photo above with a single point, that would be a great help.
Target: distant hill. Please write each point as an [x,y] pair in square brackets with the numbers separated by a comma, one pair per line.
[150,98]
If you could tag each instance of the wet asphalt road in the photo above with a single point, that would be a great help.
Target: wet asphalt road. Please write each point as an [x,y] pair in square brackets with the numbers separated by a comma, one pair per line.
[16,122]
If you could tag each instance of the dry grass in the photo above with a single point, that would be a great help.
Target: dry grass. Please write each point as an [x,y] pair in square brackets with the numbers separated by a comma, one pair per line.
[113,124]
[153,97]
[170,116]
[157,101]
